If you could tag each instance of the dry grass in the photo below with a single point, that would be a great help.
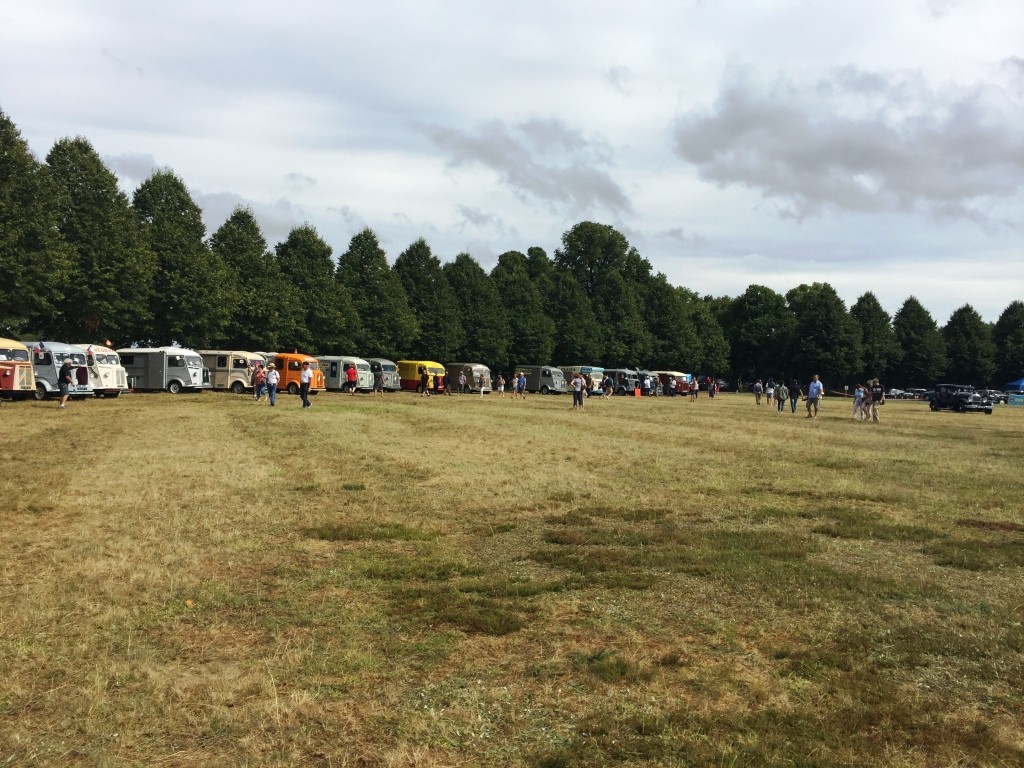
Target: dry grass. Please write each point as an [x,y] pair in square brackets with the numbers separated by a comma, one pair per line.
[201,580]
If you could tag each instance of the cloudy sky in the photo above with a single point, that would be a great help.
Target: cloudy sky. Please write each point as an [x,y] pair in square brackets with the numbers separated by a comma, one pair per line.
[876,145]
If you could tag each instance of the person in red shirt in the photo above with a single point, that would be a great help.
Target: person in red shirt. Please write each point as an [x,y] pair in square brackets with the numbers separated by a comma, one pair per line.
[350,376]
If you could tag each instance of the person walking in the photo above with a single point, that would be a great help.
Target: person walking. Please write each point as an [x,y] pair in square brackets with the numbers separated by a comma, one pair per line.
[795,393]
[781,396]
[424,382]
[462,383]
[858,400]
[481,382]
[758,390]
[378,382]
[769,391]
[65,380]
[273,378]
[877,398]
[305,380]
[815,390]
[258,381]
[500,383]
[351,376]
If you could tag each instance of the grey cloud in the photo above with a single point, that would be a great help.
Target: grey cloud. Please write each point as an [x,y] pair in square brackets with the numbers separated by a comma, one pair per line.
[680,235]
[860,142]
[539,159]
[618,78]
[276,219]
[133,168]
[471,216]
[299,181]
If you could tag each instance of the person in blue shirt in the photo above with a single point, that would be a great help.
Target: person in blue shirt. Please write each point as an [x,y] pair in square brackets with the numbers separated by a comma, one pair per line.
[814,392]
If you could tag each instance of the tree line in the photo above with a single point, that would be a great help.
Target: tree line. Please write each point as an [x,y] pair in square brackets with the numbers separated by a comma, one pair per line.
[82,261]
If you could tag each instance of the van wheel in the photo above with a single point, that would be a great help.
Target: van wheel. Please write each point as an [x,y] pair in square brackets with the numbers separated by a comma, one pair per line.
[237,387]
[113,394]
[293,388]
[40,393]
[544,390]
[174,387]
[620,391]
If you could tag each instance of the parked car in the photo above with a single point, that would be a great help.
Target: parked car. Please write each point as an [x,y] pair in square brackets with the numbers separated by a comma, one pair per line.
[994,395]
[959,397]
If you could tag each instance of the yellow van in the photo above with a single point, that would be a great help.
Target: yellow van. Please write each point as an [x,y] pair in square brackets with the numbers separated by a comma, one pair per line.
[409,373]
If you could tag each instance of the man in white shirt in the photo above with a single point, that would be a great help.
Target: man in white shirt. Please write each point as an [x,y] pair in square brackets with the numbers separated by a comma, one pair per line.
[305,379]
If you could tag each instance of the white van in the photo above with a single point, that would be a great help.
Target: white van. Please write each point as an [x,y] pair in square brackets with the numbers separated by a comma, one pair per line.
[106,374]
[335,368]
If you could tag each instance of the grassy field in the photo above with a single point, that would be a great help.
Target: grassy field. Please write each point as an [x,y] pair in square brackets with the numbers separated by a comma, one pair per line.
[203,580]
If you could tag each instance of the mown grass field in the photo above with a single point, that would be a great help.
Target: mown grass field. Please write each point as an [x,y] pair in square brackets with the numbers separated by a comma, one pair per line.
[203,580]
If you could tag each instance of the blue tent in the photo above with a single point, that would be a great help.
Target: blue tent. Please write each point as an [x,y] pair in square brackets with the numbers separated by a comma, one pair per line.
[1015,386]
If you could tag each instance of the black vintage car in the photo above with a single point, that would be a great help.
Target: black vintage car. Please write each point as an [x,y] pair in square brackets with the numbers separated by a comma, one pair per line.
[960,398]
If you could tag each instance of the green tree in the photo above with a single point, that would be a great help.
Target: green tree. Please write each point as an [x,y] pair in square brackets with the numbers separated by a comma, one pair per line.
[759,329]
[193,297]
[589,252]
[112,269]
[432,300]
[711,354]
[330,324]
[541,271]
[578,339]
[614,276]
[669,324]
[35,262]
[1008,335]
[388,325]
[922,350]
[268,309]
[970,350]
[485,330]
[825,339]
[879,344]
[532,332]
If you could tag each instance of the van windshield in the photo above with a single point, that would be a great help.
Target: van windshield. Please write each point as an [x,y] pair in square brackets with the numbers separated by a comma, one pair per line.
[193,362]
[14,354]
[76,358]
[105,359]
[313,364]
[390,368]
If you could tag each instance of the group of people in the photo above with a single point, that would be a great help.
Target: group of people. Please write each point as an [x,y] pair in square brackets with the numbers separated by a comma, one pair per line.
[265,380]
[443,387]
[866,400]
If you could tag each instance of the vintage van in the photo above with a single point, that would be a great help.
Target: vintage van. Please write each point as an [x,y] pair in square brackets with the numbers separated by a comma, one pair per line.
[409,373]
[231,369]
[16,377]
[592,374]
[106,374]
[48,357]
[389,369]
[473,373]
[625,380]
[336,367]
[546,379]
[679,381]
[289,365]
[155,369]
